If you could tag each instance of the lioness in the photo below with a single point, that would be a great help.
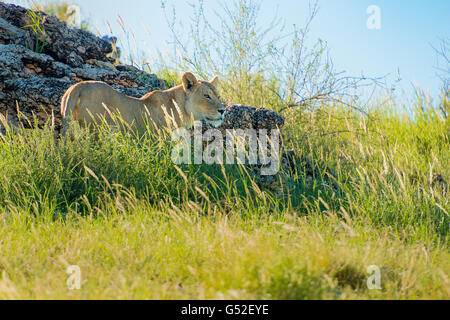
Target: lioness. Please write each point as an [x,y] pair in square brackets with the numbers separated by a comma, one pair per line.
[88,101]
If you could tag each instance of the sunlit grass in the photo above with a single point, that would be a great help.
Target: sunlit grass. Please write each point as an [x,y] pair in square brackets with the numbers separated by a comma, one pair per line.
[176,254]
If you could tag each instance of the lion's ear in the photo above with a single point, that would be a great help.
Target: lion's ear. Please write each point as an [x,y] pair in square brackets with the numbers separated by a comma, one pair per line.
[215,81]
[189,80]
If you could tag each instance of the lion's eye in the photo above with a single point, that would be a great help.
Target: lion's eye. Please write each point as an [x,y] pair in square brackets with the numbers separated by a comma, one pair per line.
[207,96]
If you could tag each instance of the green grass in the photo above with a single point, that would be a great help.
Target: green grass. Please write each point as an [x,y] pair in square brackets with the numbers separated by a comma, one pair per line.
[36,25]
[139,227]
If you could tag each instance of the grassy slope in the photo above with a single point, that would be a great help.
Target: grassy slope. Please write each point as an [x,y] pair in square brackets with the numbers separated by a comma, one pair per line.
[139,227]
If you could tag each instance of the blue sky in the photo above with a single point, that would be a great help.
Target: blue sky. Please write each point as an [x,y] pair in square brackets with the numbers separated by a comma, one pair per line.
[408,29]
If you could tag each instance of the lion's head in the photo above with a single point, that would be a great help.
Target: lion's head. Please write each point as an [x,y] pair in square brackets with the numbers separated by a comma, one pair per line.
[202,98]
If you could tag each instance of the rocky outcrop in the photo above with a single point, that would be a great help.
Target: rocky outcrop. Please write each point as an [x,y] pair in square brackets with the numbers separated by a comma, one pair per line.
[262,121]
[35,81]
[237,116]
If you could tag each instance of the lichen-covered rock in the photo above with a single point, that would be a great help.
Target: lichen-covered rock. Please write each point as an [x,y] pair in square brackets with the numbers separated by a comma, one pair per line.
[36,81]
[263,121]
[238,116]
[241,117]
[16,60]
[63,42]
[11,34]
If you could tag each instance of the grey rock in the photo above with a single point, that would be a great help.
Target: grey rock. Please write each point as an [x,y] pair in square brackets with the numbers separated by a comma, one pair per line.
[238,116]
[61,38]
[11,34]
[17,59]
[241,117]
